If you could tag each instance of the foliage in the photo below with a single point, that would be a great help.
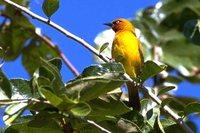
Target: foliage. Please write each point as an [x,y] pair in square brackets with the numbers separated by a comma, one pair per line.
[55,106]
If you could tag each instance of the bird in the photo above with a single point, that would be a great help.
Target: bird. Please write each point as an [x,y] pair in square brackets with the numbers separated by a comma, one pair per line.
[127,49]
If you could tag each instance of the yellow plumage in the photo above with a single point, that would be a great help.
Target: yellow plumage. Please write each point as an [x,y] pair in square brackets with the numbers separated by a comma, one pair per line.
[126,45]
[126,48]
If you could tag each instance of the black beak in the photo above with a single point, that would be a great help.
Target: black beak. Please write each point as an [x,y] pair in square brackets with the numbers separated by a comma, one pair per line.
[108,24]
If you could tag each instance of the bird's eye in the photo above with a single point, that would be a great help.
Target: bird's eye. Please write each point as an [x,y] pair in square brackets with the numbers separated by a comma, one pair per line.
[116,22]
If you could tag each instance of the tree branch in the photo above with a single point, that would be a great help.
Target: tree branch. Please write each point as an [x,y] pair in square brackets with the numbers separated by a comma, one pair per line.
[94,124]
[62,56]
[18,101]
[178,119]
[167,109]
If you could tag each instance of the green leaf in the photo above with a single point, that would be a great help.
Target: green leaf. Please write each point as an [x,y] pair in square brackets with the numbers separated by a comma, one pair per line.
[107,105]
[194,79]
[49,7]
[167,122]
[53,99]
[5,86]
[44,119]
[22,88]
[98,70]
[152,118]
[81,109]
[14,35]
[175,128]
[52,72]
[30,57]
[192,108]
[166,101]
[22,2]
[158,128]
[185,9]
[192,31]
[183,61]
[103,47]
[186,99]
[118,126]
[151,69]
[41,106]
[13,111]
[56,62]
[173,79]
[95,81]
[22,20]
[149,29]
[62,102]
[23,118]
[176,104]
[165,89]
[92,87]
[146,105]
[127,126]
[170,5]
[28,127]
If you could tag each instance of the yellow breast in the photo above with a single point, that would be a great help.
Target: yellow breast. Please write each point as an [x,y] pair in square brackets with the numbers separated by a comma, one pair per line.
[126,46]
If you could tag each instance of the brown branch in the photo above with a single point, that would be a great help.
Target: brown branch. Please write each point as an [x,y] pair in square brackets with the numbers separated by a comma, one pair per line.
[17,101]
[54,47]
[62,56]
[93,124]
[167,109]
[178,119]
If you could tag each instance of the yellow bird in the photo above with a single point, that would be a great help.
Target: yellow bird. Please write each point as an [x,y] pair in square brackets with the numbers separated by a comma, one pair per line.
[126,48]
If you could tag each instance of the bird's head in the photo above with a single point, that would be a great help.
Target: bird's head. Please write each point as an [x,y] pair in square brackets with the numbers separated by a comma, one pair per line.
[121,24]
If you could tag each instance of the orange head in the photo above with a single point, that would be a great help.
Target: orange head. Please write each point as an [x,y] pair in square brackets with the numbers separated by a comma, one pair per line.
[121,24]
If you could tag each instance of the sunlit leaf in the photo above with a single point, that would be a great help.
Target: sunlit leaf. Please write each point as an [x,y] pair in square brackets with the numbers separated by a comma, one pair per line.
[146,105]
[96,80]
[21,88]
[50,7]
[128,126]
[158,128]
[81,109]
[103,47]
[56,84]
[98,70]
[107,105]
[151,69]
[92,87]
[167,122]
[52,98]
[13,111]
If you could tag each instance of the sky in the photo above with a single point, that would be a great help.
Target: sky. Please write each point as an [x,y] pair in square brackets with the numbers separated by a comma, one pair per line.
[85,19]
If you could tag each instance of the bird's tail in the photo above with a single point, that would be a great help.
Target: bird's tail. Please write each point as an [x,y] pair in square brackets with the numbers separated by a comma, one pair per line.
[133,94]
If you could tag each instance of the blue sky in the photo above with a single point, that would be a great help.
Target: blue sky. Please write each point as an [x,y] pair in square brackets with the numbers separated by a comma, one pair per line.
[85,18]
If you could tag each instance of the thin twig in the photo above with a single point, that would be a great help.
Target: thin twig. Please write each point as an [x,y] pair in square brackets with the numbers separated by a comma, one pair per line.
[54,47]
[59,28]
[94,124]
[62,56]
[167,109]
[17,101]
[156,57]
[13,102]
[178,119]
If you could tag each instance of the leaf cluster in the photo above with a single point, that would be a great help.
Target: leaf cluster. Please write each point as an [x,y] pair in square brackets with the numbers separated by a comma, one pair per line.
[93,100]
